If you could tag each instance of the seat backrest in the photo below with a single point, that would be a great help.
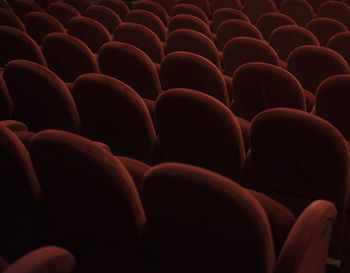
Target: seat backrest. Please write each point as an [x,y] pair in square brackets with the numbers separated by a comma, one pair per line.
[312,64]
[233,28]
[191,10]
[154,7]
[325,28]
[255,8]
[80,5]
[8,18]
[241,50]
[106,16]
[299,10]
[89,31]
[224,14]
[168,5]
[68,57]
[196,129]
[188,21]
[193,41]
[113,113]
[202,4]
[269,21]
[233,4]
[39,24]
[286,38]
[188,70]
[340,43]
[331,102]
[336,10]
[93,206]
[131,66]
[41,100]
[147,19]
[62,11]
[205,222]
[22,7]
[142,38]
[272,87]
[297,158]
[16,44]
[118,6]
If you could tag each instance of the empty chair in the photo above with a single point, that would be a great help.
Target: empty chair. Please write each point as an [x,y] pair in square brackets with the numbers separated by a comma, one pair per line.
[6,104]
[299,10]
[255,8]
[118,6]
[113,113]
[269,21]
[107,17]
[51,258]
[142,38]
[20,198]
[219,4]
[8,18]
[68,57]
[325,28]
[235,28]
[62,11]
[224,14]
[272,87]
[286,38]
[241,50]
[188,70]
[45,3]
[93,207]
[188,21]
[15,44]
[89,31]
[22,7]
[307,159]
[193,41]
[340,42]
[168,5]
[312,64]
[39,24]
[191,10]
[202,4]
[154,7]
[41,100]
[132,66]
[315,4]
[233,238]
[336,10]
[331,104]
[80,5]
[203,132]
[148,19]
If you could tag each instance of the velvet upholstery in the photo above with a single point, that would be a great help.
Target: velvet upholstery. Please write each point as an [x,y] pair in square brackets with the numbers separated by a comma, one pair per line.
[224,14]
[299,10]
[168,5]
[188,21]
[340,43]
[191,10]
[118,6]
[22,7]
[336,10]
[219,4]
[154,7]
[106,16]
[202,4]
[62,11]
[80,5]
[255,8]
[8,18]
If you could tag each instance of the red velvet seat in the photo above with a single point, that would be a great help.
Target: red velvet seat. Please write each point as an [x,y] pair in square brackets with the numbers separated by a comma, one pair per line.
[6,104]
[8,18]
[202,4]
[154,7]
[315,4]
[191,10]
[195,42]
[168,5]
[45,3]
[224,14]
[93,207]
[80,5]
[106,16]
[269,21]
[188,70]
[325,28]
[188,21]
[241,50]
[142,38]
[39,24]
[118,6]
[312,64]
[219,4]
[22,7]
[197,129]
[20,199]
[113,113]
[340,43]
[68,57]
[297,158]
[89,31]
[62,11]
[41,100]
[15,44]
[235,28]
[131,66]
[5,5]
[286,38]
[149,20]
[255,8]
[336,10]
[299,10]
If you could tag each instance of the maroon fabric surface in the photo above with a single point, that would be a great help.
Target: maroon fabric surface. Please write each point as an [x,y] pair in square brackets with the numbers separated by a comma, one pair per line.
[340,42]
[202,4]
[168,5]
[300,10]
[188,21]
[336,10]
[80,5]
[8,18]
[155,8]
[22,7]
[118,6]
[6,104]
[224,14]
[191,10]
[255,8]
[62,11]
[233,4]
[106,16]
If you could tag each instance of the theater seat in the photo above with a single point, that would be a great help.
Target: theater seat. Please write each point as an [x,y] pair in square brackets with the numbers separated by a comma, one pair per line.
[191,10]
[224,14]
[118,6]
[187,21]
[299,10]
[106,16]
[22,7]
[340,42]
[336,10]
[80,5]
[8,18]
[154,7]
[62,11]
